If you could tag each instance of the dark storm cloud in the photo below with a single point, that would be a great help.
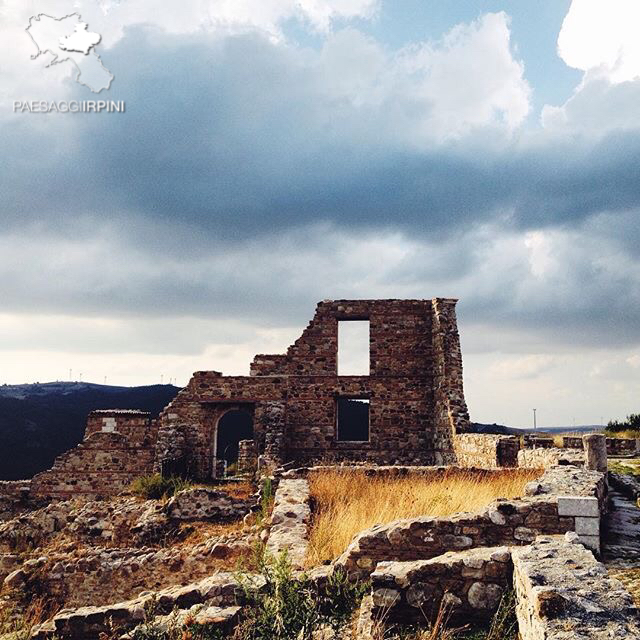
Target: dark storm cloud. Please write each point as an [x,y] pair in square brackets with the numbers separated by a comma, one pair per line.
[240,183]
[238,137]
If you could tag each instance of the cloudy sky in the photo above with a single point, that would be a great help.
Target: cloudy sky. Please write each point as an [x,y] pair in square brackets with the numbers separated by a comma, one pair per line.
[275,153]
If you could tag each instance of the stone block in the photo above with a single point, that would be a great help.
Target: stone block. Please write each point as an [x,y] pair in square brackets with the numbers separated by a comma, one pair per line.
[587,526]
[591,542]
[578,506]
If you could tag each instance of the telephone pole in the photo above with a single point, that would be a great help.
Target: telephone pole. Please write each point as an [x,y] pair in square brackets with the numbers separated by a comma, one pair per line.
[535,424]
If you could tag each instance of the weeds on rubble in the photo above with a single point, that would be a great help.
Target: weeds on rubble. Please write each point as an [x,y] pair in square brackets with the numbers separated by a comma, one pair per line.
[293,606]
[288,607]
[628,467]
[156,487]
[266,499]
[347,502]
[17,623]
[504,626]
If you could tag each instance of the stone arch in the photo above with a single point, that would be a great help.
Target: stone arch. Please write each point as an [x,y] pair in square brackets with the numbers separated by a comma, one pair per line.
[235,423]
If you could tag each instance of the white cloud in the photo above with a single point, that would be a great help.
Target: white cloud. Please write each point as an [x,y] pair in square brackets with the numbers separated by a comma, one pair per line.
[432,91]
[23,78]
[603,37]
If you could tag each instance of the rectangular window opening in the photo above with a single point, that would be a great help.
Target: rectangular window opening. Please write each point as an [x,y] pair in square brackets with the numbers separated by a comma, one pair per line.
[353,348]
[353,419]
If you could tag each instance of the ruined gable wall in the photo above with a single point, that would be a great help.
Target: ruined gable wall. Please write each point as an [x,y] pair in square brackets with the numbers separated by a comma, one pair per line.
[400,340]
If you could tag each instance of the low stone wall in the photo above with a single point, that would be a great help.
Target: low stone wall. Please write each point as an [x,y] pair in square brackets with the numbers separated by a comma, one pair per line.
[202,503]
[537,442]
[626,484]
[104,464]
[14,497]
[219,590]
[621,447]
[545,458]
[572,442]
[471,583]
[563,593]
[290,521]
[485,451]
[505,522]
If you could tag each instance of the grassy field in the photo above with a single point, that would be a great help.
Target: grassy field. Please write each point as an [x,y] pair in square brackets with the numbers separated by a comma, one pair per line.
[348,502]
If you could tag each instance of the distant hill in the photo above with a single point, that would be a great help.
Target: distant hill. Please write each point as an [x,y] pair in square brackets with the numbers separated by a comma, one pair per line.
[40,421]
[500,429]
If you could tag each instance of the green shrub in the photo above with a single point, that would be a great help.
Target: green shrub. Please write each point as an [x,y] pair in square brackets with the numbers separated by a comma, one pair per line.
[155,487]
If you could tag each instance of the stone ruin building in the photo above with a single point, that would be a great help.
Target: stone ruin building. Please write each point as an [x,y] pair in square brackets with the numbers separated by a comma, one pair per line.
[411,403]
[404,412]
[413,393]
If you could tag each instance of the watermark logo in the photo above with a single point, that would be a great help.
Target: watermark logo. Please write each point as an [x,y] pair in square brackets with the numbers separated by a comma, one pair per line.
[71,106]
[67,40]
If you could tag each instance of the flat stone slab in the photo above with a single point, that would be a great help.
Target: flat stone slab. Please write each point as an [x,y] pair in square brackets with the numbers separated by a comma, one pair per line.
[564,593]
[290,521]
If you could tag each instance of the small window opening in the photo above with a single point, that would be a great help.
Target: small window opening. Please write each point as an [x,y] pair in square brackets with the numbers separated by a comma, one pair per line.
[353,348]
[353,419]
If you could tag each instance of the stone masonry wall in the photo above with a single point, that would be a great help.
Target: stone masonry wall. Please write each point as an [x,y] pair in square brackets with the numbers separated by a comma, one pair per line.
[545,458]
[485,451]
[414,388]
[290,519]
[136,426]
[451,414]
[102,465]
[247,457]
[471,583]
[623,446]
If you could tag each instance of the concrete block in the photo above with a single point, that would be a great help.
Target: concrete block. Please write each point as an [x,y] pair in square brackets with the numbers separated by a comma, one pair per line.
[587,526]
[578,506]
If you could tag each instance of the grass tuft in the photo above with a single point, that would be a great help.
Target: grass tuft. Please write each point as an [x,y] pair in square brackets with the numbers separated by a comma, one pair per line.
[156,487]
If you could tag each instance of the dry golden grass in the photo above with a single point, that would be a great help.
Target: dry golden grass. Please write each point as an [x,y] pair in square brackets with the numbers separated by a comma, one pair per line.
[347,502]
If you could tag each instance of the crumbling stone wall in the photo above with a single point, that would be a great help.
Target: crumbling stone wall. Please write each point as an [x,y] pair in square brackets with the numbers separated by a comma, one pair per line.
[247,457]
[486,451]
[289,523]
[545,458]
[14,497]
[414,388]
[622,446]
[471,583]
[118,447]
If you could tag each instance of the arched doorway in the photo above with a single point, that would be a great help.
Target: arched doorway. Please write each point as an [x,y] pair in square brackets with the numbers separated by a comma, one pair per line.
[233,426]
